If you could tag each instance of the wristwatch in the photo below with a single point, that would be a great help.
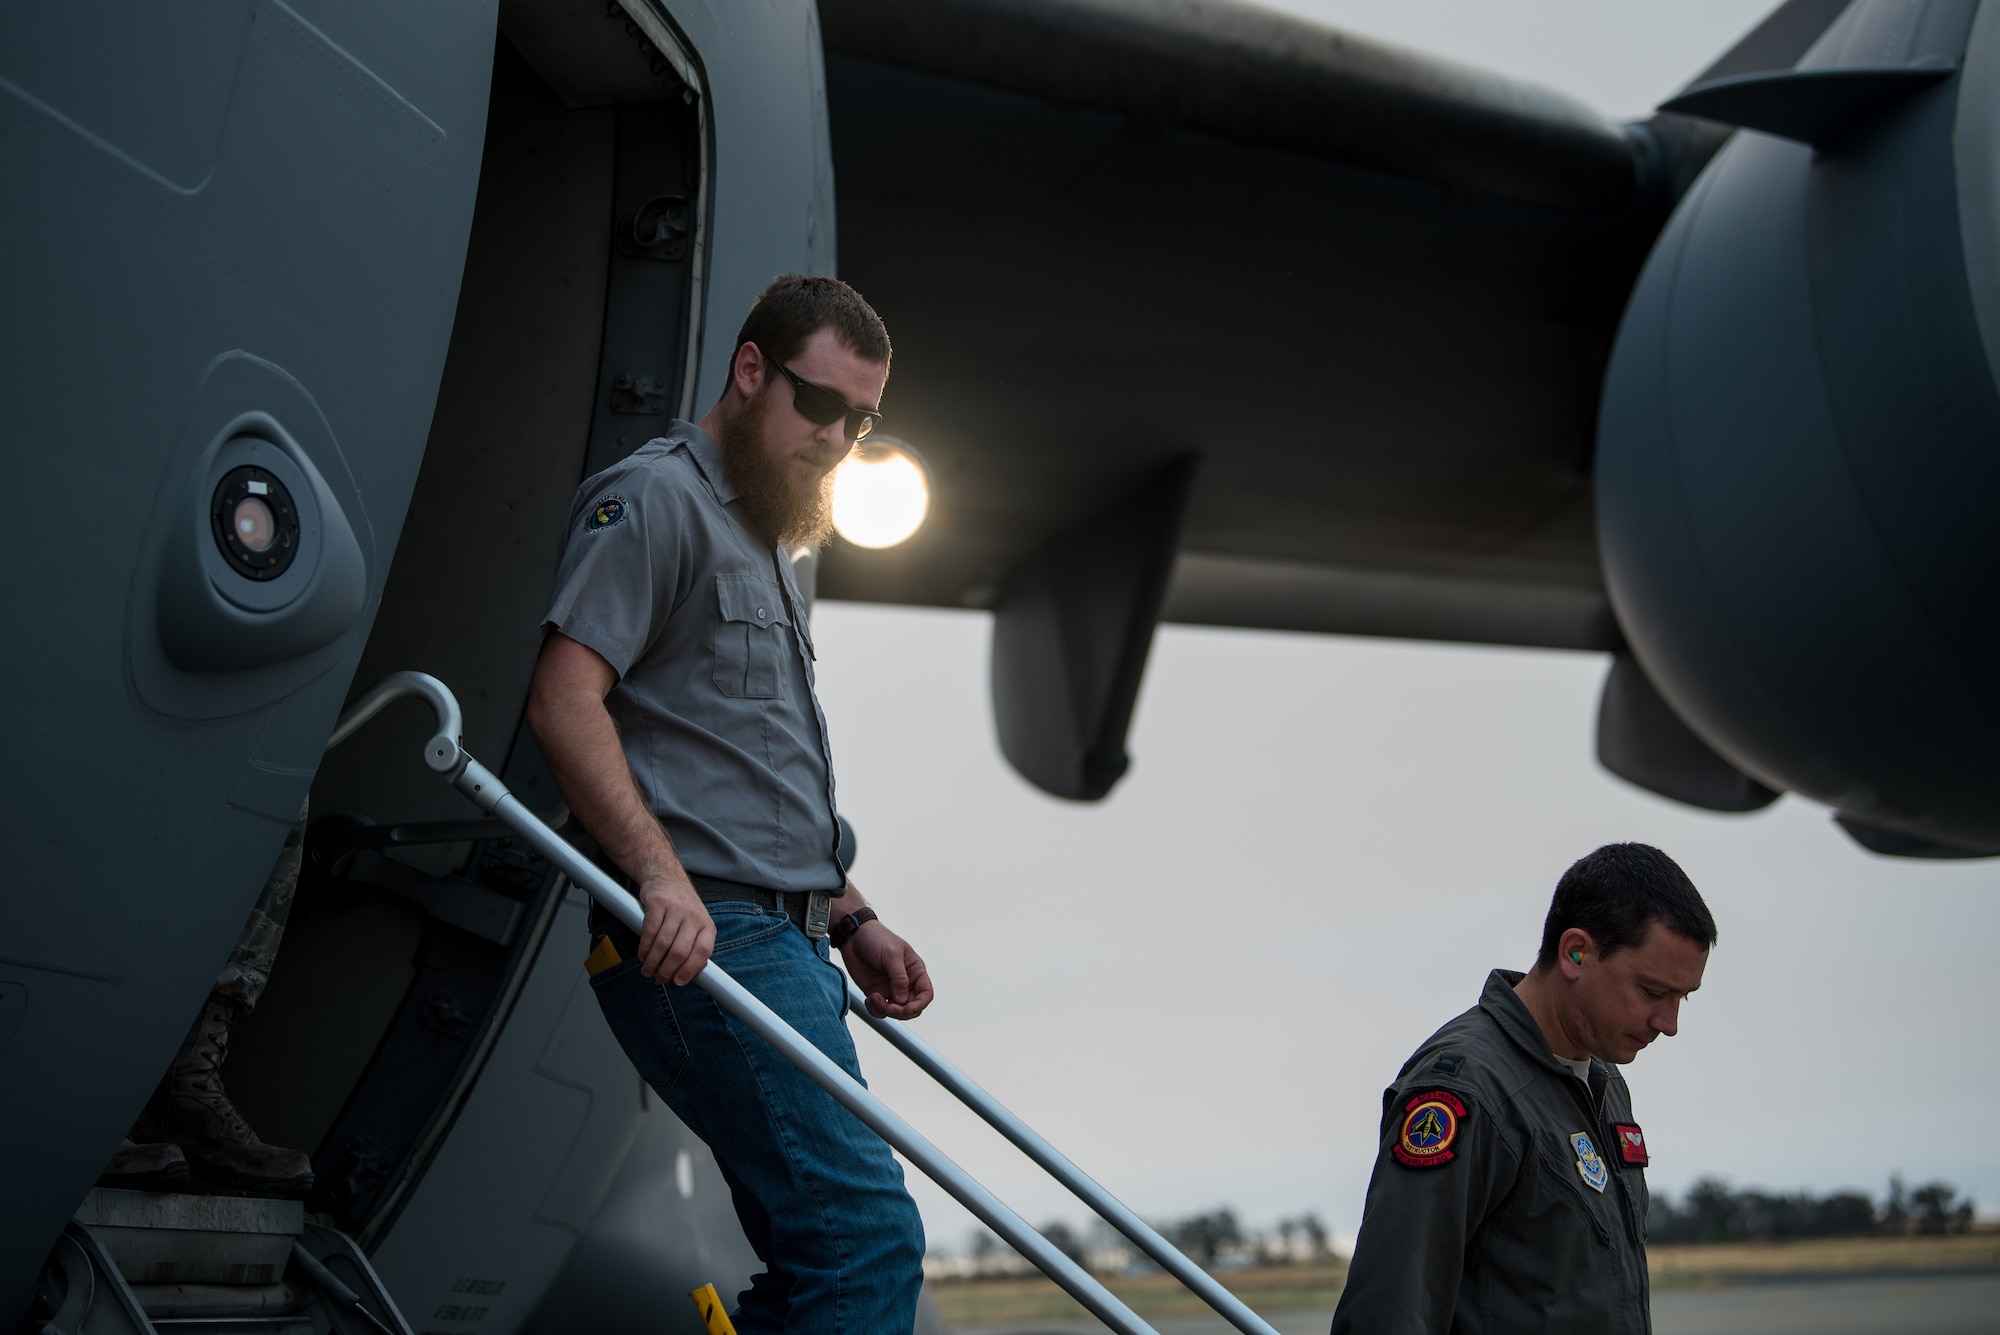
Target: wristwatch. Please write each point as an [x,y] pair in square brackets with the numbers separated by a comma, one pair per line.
[851,924]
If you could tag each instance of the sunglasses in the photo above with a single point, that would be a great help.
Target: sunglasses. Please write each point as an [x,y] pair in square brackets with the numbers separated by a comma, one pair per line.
[821,406]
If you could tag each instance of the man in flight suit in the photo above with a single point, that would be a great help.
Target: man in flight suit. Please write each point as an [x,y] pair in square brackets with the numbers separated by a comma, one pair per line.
[1509,1192]
[674,700]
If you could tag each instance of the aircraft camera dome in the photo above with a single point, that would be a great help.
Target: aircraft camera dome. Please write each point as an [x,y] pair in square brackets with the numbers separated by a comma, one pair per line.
[256,523]
[263,566]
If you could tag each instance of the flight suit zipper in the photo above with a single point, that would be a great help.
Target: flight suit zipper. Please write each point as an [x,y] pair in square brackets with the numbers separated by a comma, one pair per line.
[1592,1103]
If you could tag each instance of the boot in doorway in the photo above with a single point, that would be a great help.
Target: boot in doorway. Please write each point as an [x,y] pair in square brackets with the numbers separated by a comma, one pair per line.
[192,1111]
[145,1167]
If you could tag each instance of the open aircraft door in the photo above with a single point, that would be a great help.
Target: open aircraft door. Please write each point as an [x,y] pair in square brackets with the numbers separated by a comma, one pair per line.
[233,252]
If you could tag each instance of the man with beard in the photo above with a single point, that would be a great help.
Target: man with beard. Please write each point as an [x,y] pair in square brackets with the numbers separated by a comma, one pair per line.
[674,701]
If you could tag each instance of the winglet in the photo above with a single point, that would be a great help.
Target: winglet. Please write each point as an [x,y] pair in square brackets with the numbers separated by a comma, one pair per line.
[1814,106]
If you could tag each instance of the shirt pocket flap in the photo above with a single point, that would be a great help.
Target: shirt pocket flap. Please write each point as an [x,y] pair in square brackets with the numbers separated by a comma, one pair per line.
[751,598]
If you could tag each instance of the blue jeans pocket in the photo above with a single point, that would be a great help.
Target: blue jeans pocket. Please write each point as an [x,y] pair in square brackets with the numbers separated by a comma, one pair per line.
[741,925]
[642,1019]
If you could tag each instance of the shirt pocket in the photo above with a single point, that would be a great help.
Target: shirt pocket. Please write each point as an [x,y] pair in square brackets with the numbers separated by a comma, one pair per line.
[1569,1185]
[749,640]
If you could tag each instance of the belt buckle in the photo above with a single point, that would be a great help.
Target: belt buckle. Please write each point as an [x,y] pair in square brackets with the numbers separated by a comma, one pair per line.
[819,908]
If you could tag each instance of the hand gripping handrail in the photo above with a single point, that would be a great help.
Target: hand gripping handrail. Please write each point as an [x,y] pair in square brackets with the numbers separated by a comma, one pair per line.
[1108,1207]
[445,755]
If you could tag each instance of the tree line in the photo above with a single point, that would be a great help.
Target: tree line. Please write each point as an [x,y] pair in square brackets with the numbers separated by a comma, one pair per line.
[1712,1212]
[1709,1211]
[1211,1238]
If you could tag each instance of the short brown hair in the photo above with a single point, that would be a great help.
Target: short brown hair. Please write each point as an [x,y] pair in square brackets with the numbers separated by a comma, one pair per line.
[797,306]
[1616,894]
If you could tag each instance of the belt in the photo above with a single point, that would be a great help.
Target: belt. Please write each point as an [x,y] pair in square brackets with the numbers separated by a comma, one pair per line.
[809,909]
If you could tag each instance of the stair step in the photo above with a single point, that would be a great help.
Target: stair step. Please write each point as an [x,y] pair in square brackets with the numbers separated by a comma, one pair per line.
[168,1301]
[176,1238]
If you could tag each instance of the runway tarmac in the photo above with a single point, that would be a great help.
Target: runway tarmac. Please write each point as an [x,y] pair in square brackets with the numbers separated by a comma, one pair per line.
[1937,1304]
[1955,1303]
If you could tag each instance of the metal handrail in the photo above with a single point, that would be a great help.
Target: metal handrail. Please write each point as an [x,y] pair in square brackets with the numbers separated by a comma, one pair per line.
[445,755]
[1108,1207]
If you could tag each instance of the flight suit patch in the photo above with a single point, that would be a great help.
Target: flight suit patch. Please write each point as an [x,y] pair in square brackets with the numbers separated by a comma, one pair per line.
[1449,1064]
[1430,1128]
[1632,1144]
[1590,1166]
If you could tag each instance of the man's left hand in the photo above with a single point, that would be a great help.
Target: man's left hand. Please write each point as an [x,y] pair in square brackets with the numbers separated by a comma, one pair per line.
[893,975]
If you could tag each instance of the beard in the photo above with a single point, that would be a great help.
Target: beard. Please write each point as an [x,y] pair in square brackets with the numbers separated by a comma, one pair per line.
[787,511]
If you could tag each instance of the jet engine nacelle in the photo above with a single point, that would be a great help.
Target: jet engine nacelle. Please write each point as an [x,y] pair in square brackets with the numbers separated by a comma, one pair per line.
[1799,444]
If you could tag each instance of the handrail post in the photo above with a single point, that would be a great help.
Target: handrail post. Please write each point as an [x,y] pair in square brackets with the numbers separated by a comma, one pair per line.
[446,755]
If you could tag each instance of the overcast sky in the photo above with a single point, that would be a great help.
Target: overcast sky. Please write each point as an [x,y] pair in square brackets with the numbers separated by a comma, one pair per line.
[1199,987]
[1623,57]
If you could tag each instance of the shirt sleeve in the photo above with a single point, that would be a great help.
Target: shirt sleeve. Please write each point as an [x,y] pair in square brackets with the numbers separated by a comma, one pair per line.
[624,556]
[1422,1210]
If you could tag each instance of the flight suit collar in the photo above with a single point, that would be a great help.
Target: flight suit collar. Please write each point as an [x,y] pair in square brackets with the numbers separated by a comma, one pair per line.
[706,452]
[1500,1001]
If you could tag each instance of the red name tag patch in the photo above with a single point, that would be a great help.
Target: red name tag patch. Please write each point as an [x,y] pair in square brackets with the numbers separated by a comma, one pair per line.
[1632,1144]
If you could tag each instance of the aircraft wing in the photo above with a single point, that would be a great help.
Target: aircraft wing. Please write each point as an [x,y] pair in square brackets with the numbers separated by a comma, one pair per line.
[1295,329]
[1373,291]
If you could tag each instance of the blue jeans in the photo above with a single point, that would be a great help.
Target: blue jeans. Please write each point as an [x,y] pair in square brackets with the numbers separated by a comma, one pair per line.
[819,1195]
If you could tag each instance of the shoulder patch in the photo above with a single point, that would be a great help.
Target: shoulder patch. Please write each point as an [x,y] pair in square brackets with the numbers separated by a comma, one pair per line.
[609,512]
[1431,1124]
[1451,1063]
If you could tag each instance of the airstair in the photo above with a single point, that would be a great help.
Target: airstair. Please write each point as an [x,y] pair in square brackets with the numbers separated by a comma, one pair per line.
[204,1265]
[145,1262]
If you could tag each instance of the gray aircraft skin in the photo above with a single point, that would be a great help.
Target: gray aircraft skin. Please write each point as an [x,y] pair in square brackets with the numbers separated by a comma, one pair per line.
[1203,314]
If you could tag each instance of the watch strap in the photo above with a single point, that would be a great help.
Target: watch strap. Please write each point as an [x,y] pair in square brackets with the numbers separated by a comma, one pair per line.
[851,924]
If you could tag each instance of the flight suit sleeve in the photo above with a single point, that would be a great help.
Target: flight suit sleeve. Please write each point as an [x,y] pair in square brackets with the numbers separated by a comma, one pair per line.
[1441,1167]
[623,558]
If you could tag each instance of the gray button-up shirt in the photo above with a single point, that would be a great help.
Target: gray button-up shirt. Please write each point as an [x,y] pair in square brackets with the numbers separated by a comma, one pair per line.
[700,617]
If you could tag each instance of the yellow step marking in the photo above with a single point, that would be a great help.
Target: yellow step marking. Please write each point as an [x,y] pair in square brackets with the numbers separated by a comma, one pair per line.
[603,957]
[713,1314]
